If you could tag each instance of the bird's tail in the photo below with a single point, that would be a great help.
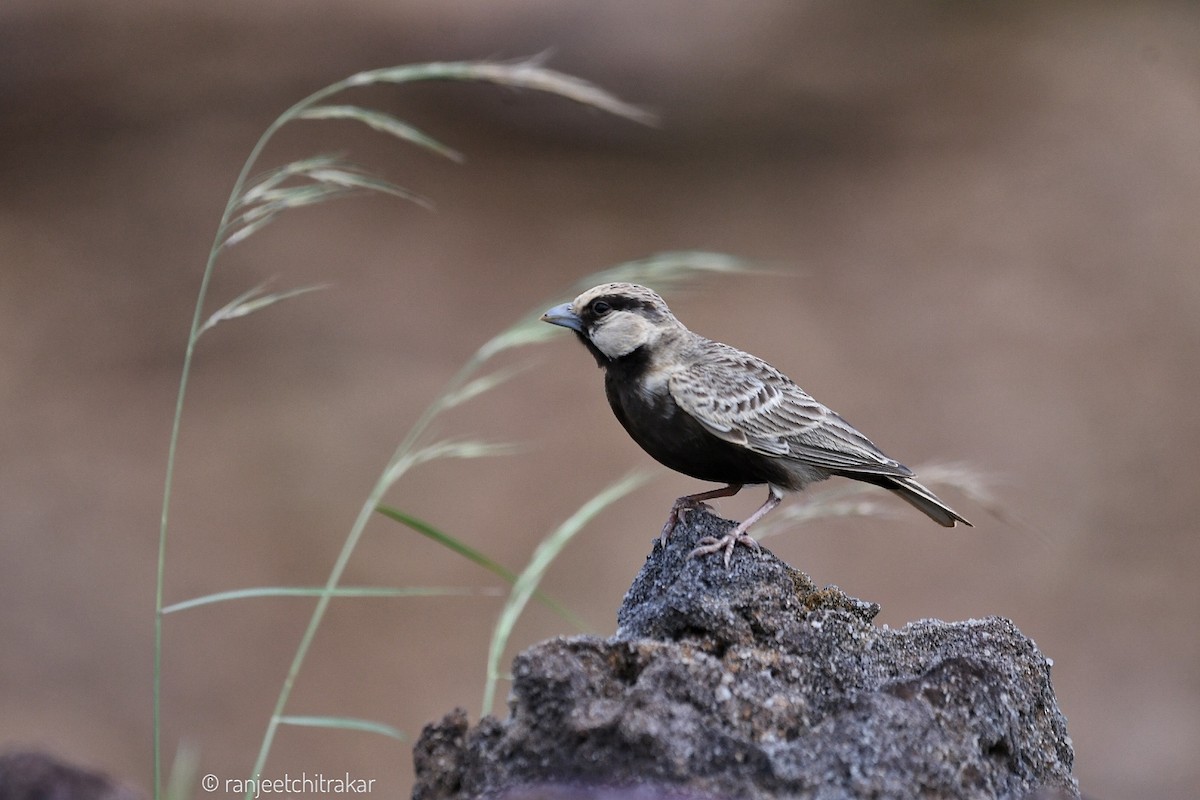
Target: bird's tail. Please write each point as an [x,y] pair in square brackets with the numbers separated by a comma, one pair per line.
[925,501]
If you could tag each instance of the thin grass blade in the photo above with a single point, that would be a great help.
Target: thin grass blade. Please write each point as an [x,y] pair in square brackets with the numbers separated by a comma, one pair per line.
[181,781]
[529,330]
[384,123]
[530,74]
[317,591]
[282,198]
[349,178]
[481,385]
[274,177]
[476,557]
[345,724]
[285,197]
[327,180]
[525,74]
[449,448]
[257,217]
[668,269]
[543,556]
[253,300]
[245,232]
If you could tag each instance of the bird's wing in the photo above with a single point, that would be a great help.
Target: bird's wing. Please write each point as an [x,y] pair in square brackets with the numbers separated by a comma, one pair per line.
[744,400]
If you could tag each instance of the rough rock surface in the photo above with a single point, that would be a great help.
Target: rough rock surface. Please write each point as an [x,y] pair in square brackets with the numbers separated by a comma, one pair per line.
[754,683]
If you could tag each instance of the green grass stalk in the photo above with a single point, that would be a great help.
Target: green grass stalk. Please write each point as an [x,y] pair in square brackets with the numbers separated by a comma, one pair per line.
[252,204]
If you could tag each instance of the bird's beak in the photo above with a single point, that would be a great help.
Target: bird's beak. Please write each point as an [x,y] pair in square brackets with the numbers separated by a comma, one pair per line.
[563,315]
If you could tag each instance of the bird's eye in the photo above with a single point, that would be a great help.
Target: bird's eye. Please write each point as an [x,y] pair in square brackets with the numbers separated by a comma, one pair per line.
[601,307]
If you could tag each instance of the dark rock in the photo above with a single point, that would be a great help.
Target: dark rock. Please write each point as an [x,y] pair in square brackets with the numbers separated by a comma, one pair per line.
[32,775]
[753,683]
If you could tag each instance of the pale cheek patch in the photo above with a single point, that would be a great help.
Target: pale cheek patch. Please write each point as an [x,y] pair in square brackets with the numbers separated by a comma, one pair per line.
[622,333]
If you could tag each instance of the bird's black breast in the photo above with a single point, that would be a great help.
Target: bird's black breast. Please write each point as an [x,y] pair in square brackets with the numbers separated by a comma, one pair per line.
[673,437]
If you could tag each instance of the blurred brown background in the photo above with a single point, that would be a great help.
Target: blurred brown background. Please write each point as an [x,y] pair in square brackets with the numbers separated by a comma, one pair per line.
[983,222]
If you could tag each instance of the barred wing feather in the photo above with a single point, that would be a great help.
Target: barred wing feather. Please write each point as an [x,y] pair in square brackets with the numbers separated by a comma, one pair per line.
[746,401]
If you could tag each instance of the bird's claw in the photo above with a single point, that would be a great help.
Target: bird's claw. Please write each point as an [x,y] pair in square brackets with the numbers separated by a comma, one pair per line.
[680,508]
[711,544]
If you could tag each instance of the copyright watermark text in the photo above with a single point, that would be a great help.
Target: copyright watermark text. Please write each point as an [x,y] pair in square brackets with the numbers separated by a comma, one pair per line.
[304,783]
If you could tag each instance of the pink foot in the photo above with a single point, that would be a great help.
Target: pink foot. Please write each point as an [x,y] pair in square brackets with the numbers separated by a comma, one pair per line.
[711,544]
[693,502]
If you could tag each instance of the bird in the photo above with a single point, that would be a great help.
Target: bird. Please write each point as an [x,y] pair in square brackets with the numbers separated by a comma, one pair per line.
[718,414]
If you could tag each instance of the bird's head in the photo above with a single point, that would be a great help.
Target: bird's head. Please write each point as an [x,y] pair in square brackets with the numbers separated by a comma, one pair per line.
[616,319]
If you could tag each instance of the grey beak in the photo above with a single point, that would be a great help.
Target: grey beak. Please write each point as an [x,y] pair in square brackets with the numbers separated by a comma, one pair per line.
[563,315]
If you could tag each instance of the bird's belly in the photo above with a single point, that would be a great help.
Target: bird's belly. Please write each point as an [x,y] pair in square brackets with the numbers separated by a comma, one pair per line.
[676,440]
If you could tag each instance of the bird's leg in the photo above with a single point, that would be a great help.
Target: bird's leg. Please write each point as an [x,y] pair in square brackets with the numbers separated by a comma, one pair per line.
[711,544]
[692,501]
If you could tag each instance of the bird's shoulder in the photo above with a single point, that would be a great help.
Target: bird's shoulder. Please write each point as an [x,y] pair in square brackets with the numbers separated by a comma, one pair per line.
[729,389]
[726,376]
